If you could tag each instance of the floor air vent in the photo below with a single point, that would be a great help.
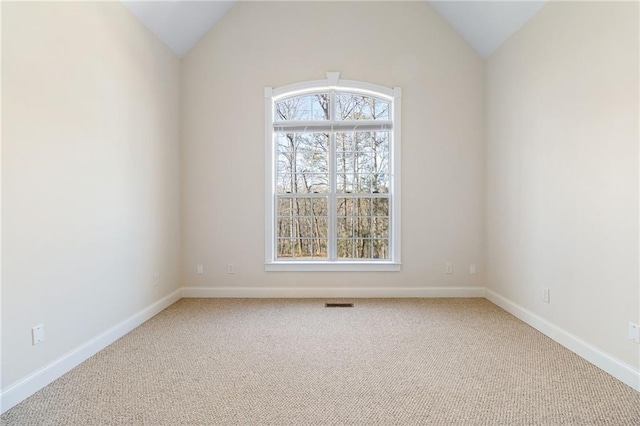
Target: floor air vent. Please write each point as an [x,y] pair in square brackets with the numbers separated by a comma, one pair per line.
[338,305]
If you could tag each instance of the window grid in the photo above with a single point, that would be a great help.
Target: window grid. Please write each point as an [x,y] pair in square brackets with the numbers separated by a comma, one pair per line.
[290,242]
[365,179]
[374,214]
[351,179]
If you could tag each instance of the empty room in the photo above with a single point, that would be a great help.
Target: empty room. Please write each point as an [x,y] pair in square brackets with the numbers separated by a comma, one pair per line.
[320,212]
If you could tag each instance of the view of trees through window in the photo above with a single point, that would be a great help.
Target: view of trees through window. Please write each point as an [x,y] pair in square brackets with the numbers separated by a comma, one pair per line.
[330,177]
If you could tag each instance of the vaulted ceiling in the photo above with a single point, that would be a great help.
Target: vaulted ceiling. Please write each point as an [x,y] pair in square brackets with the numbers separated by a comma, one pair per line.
[485,25]
[180,24]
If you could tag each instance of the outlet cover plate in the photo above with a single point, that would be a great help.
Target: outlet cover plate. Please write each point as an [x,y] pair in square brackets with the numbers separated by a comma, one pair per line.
[634,332]
[448,268]
[37,334]
[546,298]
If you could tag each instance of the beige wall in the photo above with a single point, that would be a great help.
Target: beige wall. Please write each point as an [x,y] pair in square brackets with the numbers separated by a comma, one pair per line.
[274,44]
[90,173]
[94,108]
[562,171]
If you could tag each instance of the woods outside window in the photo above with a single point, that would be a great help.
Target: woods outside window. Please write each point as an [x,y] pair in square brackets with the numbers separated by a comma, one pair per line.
[332,176]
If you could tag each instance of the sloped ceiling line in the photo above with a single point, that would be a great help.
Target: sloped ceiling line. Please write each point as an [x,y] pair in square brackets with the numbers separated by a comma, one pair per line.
[485,25]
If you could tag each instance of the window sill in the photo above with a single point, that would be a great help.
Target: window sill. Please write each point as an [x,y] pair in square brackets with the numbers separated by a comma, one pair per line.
[333,266]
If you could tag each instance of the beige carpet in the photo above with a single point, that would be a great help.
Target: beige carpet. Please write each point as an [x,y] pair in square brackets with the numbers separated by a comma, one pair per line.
[295,362]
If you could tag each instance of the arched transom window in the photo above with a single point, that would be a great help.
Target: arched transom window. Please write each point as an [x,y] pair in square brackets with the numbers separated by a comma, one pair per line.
[332,172]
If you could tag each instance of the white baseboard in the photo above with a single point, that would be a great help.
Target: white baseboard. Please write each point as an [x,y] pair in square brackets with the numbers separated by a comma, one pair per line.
[29,385]
[331,292]
[618,369]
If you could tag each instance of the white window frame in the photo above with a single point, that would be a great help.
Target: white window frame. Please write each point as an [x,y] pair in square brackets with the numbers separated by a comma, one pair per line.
[332,83]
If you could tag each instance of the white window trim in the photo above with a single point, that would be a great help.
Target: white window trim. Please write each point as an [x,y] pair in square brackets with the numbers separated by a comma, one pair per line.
[332,82]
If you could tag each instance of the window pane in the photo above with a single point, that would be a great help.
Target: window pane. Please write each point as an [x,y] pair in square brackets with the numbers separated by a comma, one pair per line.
[302,206]
[380,183]
[284,184]
[362,249]
[345,227]
[309,227]
[362,162]
[302,142]
[344,162]
[345,249]
[362,206]
[362,228]
[362,217]
[363,183]
[303,108]
[302,248]
[380,227]
[316,206]
[302,217]
[285,227]
[319,206]
[380,142]
[285,206]
[358,107]
[355,183]
[380,249]
[320,227]
[285,162]
[302,163]
[345,206]
[358,162]
[303,227]
[311,183]
[355,141]
[302,183]
[284,248]
[345,183]
[345,142]
[380,206]
[320,250]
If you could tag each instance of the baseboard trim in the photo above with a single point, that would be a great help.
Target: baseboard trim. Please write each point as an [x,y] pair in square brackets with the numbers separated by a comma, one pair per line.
[35,381]
[331,292]
[29,385]
[618,369]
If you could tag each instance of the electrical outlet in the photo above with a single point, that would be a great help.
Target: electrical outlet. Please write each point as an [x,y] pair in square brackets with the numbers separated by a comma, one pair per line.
[546,298]
[448,268]
[200,269]
[37,334]
[634,332]
[156,280]
[231,269]
[472,269]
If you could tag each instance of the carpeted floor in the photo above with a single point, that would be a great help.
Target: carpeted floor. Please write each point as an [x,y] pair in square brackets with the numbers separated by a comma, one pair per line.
[295,362]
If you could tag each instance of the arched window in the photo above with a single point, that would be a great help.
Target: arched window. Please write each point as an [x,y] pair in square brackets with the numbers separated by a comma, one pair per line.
[332,176]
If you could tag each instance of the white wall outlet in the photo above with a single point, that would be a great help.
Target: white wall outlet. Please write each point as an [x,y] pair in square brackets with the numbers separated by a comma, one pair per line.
[200,269]
[231,269]
[634,332]
[448,268]
[472,269]
[546,298]
[156,279]
[37,334]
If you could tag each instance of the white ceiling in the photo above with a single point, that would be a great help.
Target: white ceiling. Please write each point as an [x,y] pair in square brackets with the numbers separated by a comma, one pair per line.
[485,25]
[180,24]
